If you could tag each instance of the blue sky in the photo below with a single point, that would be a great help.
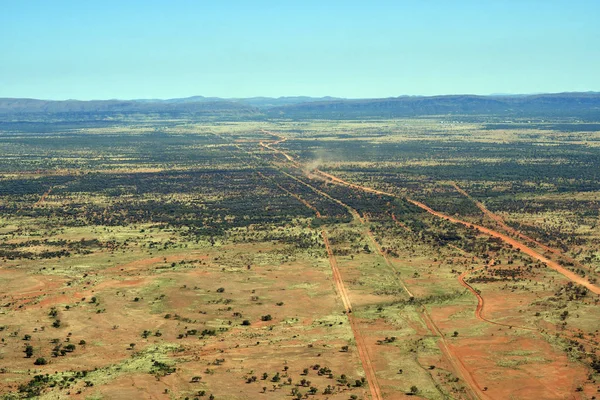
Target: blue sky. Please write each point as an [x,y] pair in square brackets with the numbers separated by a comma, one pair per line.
[162,49]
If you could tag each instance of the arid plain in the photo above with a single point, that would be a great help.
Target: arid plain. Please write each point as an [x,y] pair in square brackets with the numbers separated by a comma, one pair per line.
[425,258]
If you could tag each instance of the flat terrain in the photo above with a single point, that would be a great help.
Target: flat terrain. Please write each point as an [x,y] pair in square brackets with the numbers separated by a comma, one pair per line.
[174,258]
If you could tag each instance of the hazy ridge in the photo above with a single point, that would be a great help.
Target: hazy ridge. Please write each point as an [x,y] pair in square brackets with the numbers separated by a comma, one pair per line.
[579,104]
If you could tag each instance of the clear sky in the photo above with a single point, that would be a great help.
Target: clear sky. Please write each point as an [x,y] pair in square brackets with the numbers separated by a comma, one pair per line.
[90,49]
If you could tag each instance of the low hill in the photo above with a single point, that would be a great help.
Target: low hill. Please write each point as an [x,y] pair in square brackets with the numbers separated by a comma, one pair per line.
[578,105]
[33,106]
[585,105]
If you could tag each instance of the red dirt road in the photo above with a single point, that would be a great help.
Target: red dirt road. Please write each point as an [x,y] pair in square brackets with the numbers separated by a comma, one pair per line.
[474,391]
[480,303]
[523,248]
[456,363]
[363,352]
[339,283]
[41,200]
[498,219]
[294,195]
[507,239]
[360,341]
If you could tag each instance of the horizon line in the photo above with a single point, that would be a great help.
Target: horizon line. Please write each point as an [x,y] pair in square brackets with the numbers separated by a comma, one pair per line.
[305,96]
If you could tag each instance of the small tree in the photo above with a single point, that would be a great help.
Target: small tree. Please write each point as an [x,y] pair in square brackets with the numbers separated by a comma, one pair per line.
[28,351]
[40,361]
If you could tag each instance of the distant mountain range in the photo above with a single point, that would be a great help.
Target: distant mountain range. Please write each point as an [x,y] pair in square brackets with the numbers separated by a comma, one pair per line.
[558,104]
[259,102]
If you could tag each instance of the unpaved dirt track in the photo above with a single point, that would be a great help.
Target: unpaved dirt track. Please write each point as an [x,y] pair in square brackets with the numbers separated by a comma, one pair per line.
[281,140]
[366,361]
[320,192]
[507,239]
[480,303]
[43,198]
[388,262]
[523,248]
[401,224]
[473,390]
[337,277]
[297,197]
[457,364]
[500,221]
[363,352]
[361,346]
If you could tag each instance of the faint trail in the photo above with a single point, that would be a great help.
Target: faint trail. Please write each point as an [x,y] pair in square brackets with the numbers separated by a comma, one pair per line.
[473,389]
[525,249]
[387,261]
[297,197]
[402,224]
[456,362]
[498,219]
[363,352]
[43,198]
[480,302]
[37,203]
[507,239]
[351,210]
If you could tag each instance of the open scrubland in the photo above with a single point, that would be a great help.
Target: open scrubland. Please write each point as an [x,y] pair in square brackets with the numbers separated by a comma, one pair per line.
[174,258]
